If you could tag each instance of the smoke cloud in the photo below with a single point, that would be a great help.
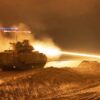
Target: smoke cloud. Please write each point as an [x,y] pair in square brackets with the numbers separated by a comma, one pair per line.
[73,24]
[44,45]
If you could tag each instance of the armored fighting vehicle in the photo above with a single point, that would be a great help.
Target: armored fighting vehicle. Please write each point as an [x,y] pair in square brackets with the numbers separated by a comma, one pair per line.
[22,56]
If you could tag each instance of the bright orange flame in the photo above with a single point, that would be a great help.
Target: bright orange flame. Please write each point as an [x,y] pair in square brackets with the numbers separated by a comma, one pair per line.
[47,47]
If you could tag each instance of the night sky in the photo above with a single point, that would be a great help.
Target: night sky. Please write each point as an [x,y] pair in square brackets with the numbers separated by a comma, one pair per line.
[73,24]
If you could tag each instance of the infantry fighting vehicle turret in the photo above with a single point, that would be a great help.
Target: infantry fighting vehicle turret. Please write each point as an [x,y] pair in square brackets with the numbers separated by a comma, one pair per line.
[22,56]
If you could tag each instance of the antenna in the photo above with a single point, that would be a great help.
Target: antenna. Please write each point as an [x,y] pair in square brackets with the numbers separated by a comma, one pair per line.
[16,38]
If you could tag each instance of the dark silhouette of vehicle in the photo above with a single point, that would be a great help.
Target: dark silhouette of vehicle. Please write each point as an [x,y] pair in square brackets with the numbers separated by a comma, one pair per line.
[22,56]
